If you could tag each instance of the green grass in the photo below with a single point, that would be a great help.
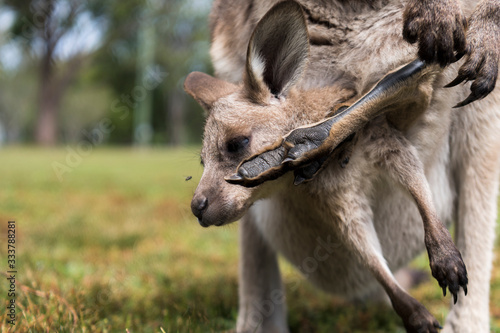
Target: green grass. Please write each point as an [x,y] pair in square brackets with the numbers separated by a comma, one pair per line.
[114,247]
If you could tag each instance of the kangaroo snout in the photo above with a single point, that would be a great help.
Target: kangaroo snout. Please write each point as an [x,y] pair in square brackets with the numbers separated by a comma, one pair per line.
[198,207]
[218,203]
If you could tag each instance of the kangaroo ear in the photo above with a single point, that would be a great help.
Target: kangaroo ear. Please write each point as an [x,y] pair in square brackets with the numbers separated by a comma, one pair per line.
[206,90]
[277,52]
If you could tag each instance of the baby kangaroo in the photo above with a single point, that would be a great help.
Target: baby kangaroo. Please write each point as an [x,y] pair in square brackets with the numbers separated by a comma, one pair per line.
[307,148]
[365,145]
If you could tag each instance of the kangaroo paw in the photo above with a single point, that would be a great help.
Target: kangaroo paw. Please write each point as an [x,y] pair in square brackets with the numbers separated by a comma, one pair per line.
[303,146]
[260,168]
[421,321]
[438,27]
[416,318]
[482,54]
[447,266]
[304,150]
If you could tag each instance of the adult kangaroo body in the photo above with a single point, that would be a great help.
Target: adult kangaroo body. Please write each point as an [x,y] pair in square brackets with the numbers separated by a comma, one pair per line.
[293,67]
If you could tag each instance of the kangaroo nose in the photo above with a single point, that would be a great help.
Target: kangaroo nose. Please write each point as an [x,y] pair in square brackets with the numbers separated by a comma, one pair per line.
[198,205]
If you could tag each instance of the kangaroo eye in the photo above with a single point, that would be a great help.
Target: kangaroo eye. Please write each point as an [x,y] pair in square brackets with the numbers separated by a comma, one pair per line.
[237,145]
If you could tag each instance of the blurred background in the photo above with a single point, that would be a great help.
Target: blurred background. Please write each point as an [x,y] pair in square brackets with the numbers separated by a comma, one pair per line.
[67,65]
[99,150]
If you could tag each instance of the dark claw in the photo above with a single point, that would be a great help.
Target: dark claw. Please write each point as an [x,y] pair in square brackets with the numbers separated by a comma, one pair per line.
[443,286]
[235,177]
[459,79]
[299,179]
[465,290]
[471,98]
[455,298]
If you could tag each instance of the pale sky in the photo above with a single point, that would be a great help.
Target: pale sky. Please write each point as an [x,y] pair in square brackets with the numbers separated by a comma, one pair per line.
[84,37]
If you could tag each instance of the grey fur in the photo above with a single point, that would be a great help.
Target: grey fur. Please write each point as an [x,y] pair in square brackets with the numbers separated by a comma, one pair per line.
[349,225]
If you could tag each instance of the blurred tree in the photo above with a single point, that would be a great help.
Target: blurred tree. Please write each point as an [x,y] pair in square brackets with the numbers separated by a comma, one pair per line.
[62,37]
[181,45]
[42,25]
[115,63]
[184,48]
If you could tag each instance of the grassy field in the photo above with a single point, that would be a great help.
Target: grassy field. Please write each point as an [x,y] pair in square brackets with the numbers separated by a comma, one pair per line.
[113,247]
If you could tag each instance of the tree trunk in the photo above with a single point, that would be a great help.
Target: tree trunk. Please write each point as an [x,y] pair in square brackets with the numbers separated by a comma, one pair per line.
[48,103]
[50,93]
[46,126]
